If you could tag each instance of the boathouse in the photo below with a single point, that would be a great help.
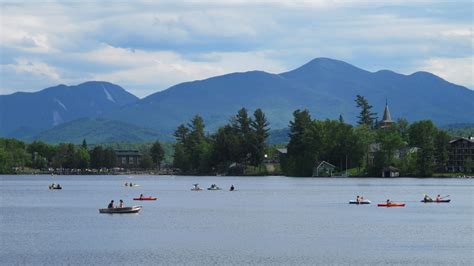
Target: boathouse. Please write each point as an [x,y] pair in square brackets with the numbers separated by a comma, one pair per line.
[323,169]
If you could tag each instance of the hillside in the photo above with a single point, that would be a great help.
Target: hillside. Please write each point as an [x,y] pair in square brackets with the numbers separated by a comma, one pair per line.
[98,130]
[25,114]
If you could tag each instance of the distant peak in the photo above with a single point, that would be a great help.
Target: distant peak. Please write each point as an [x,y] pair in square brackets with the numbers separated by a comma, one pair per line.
[327,65]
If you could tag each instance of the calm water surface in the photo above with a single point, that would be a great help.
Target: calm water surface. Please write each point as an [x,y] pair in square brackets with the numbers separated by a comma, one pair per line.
[269,220]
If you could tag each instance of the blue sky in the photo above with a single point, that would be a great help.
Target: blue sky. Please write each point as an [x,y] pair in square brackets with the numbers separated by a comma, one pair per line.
[146,47]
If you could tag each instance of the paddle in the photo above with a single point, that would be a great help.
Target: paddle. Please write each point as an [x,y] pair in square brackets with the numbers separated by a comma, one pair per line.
[445,196]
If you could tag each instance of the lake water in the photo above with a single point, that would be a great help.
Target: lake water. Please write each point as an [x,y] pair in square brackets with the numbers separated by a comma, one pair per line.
[268,220]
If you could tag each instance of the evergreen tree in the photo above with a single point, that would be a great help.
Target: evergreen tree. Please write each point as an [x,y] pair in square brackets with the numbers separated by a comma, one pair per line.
[84,144]
[442,150]
[422,135]
[366,117]
[157,153]
[300,159]
[260,128]
[341,119]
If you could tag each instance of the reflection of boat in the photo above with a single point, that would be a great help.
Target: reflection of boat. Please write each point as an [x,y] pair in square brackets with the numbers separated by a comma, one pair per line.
[394,204]
[359,202]
[145,198]
[436,201]
[133,209]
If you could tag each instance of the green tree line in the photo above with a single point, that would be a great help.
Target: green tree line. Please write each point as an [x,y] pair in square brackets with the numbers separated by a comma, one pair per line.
[418,149]
[15,154]
[234,146]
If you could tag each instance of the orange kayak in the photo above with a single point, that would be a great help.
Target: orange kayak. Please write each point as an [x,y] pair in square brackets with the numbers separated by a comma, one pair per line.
[391,205]
[147,198]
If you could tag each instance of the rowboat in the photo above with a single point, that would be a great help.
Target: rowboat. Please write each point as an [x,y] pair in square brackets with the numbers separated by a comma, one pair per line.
[133,209]
[359,202]
[436,201]
[147,198]
[394,204]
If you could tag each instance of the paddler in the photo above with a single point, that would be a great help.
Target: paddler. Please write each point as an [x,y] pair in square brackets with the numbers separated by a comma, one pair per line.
[232,188]
[111,204]
[358,199]
[121,205]
[389,202]
[438,198]
[141,196]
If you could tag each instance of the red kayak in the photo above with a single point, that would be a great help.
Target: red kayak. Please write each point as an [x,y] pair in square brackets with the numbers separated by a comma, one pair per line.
[147,198]
[394,204]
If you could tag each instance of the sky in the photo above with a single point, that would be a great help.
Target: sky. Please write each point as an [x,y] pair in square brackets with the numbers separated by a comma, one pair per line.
[148,46]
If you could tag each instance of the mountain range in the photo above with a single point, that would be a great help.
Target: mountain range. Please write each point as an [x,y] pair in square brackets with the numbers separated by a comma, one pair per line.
[326,87]
[25,114]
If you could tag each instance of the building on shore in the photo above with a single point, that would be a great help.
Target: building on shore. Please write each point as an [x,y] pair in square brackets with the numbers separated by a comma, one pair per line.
[461,155]
[323,169]
[128,158]
[390,171]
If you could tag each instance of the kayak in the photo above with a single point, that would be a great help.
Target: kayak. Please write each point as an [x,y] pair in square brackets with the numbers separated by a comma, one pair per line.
[215,188]
[436,201]
[196,189]
[391,205]
[145,198]
[361,202]
[55,188]
[133,209]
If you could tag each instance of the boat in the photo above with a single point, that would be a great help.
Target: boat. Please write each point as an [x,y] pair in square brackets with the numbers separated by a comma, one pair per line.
[214,188]
[394,204]
[359,202]
[50,187]
[436,201]
[133,209]
[145,198]
[196,189]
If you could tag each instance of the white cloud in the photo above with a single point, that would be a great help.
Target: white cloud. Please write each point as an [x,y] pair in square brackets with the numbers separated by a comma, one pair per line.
[149,46]
[164,68]
[32,67]
[456,70]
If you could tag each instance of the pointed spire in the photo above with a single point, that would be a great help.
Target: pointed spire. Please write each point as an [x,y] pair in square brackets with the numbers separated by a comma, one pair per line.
[386,113]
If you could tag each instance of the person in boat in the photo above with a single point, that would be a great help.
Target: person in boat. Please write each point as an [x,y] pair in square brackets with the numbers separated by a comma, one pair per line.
[141,196]
[438,198]
[52,185]
[361,199]
[131,184]
[427,198]
[111,204]
[196,187]
[126,184]
[389,202]
[232,188]
[121,205]
[58,186]
[358,199]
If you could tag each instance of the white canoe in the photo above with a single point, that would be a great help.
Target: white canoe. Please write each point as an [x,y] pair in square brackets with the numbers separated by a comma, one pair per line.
[362,202]
[133,209]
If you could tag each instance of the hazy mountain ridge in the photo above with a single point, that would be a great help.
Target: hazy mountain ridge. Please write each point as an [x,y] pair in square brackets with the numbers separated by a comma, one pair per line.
[25,113]
[325,86]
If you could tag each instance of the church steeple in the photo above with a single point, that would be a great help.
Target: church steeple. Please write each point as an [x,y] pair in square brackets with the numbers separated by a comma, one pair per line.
[387,118]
